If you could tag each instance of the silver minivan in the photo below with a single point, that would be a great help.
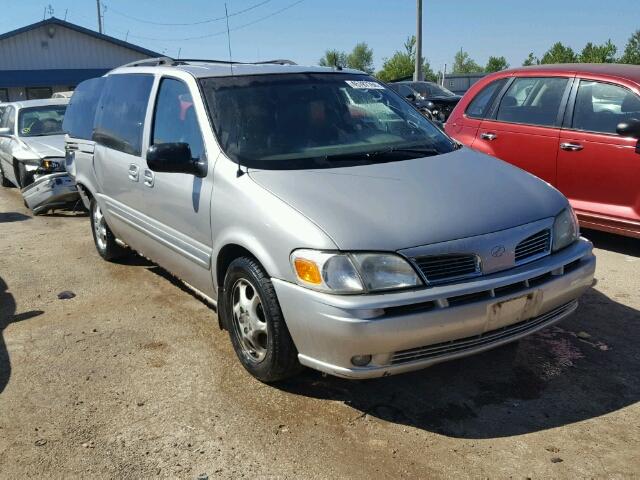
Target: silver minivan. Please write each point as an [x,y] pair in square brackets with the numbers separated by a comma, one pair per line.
[332,225]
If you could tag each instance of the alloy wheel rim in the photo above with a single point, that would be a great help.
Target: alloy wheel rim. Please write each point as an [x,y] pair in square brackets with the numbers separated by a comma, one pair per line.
[100,228]
[249,322]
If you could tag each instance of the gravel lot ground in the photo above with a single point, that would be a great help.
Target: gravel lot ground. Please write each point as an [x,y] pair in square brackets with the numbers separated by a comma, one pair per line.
[131,378]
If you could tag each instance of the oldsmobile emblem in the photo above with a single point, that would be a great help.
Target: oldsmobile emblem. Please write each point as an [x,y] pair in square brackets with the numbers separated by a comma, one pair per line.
[497,251]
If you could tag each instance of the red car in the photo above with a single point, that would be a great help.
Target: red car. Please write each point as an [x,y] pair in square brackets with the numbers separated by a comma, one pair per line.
[575,126]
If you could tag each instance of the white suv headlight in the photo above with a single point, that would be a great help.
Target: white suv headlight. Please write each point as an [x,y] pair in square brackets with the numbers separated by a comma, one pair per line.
[339,272]
[565,229]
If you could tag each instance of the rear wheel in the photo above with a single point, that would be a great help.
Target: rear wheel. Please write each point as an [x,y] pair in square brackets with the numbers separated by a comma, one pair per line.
[103,238]
[256,326]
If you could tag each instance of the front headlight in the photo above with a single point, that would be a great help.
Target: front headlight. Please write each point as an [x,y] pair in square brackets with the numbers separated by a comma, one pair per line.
[565,229]
[344,273]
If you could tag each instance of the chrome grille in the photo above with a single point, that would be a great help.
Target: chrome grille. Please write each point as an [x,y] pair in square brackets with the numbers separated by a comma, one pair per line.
[533,246]
[468,343]
[442,268]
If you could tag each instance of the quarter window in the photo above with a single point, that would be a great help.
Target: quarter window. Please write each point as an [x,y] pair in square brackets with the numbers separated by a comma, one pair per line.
[81,112]
[534,101]
[175,118]
[121,112]
[600,107]
[480,105]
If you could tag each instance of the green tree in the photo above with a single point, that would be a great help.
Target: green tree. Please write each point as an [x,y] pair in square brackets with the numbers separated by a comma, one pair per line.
[463,63]
[531,60]
[631,52]
[559,53]
[402,64]
[495,64]
[333,58]
[605,53]
[361,58]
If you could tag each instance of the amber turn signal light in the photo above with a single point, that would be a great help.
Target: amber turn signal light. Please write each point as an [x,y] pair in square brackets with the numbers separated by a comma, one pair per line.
[307,271]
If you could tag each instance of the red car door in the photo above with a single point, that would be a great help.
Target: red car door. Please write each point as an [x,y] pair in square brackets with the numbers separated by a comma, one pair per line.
[598,169]
[524,128]
[465,120]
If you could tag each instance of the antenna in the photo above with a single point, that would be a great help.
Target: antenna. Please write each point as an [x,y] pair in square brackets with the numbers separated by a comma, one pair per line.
[239,172]
[226,13]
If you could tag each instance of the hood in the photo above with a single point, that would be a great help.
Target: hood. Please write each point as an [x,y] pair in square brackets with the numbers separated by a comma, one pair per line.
[396,205]
[444,99]
[48,146]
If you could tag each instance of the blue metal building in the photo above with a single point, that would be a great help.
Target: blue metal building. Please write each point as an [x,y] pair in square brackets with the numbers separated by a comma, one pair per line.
[54,55]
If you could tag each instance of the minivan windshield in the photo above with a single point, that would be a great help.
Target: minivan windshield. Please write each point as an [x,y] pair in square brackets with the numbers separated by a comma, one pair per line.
[314,120]
[41,121]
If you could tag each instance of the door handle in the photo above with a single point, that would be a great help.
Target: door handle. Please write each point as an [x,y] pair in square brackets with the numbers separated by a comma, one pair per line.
[134,172]
[571,147]
[149,178]
[488,136]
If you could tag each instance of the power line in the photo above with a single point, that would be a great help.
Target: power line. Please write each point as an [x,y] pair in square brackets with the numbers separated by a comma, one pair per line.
[211,20]
[222,32]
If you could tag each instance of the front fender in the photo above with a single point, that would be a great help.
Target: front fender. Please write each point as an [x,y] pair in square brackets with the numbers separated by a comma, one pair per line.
[245,214]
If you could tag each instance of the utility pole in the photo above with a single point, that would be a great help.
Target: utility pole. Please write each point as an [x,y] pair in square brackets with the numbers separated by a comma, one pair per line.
[417,75]
[99,16]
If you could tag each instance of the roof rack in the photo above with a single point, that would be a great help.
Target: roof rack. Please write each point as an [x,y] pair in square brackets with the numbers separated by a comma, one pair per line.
[283,61]
[150,62]
[280,61]
[153,62]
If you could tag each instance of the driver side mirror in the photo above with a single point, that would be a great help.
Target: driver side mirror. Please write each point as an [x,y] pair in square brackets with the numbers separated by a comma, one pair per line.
[630,128]
[174,158]
[411,97]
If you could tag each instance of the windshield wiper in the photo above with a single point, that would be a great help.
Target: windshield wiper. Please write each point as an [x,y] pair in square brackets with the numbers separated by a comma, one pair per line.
[43,134]
[422,151]
[376,154]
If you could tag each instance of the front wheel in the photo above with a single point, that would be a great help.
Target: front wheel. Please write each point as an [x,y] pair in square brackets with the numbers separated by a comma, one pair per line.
[256,326]
[103,238]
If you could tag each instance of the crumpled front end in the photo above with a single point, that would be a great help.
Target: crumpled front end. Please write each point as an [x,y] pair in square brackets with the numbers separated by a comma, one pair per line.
[50,191]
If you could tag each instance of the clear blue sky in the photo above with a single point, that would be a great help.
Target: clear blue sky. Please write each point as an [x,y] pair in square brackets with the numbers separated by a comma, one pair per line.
[304,31]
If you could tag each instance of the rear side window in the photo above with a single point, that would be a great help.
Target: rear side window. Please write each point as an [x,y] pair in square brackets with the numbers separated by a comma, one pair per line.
[121,112]
[81,111]
[480,105]
[534,101]
[600,107]
[404,91]
[174,120]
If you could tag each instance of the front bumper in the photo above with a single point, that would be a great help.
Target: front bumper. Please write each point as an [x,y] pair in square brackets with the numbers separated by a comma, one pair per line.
[409,330]
[50,191]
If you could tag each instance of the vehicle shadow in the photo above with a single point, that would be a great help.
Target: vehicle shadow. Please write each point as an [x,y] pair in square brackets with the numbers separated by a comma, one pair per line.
[8,217]
[581,368]
[615,243]
[71,210]
[8,316]
[137,260]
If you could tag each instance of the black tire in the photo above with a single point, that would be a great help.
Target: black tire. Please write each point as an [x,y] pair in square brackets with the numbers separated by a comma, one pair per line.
[107,247]
[25,178]
[281,358]
[4,180]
